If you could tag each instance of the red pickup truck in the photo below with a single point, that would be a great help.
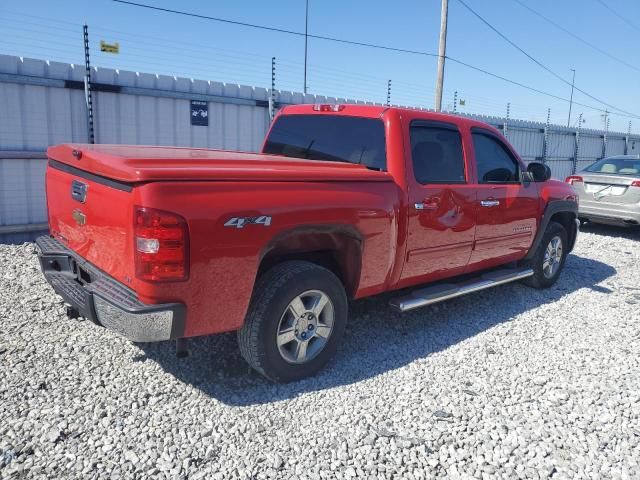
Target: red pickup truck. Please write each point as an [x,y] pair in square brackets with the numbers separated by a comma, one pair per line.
[345,201]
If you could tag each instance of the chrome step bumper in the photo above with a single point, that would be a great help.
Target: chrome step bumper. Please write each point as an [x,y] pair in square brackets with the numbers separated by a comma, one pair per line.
[105,301]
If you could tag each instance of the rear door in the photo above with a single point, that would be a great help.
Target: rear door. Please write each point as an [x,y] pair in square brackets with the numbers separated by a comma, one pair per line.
[441,203]
[506,207]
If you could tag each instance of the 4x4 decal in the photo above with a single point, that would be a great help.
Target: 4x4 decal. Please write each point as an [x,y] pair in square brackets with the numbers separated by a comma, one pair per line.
[241,222]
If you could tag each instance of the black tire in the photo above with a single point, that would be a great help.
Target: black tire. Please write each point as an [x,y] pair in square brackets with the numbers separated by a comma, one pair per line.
[273,292]
[539,279]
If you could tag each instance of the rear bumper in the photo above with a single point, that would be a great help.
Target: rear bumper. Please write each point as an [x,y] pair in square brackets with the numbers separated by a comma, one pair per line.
[104,300]
[610,213]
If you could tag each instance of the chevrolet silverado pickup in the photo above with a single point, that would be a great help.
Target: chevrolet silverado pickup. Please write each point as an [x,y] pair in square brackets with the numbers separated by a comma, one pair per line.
[343,202]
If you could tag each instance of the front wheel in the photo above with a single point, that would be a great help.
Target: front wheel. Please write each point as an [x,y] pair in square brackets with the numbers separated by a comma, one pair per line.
[548,261]
[296,318]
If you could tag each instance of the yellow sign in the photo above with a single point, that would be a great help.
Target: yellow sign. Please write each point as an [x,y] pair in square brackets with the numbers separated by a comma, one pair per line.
[109,47]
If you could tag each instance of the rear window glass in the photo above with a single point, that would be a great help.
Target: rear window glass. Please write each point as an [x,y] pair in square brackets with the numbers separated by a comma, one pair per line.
[616,166]
[329,137]
[437,155]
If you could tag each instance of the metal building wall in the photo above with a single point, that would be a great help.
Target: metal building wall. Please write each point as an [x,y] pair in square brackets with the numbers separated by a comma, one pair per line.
[528,142]
[162,120]
[43,103]
[615,146]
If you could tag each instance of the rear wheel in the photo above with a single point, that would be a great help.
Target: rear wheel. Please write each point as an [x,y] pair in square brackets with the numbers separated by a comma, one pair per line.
[295,321]
[548,261]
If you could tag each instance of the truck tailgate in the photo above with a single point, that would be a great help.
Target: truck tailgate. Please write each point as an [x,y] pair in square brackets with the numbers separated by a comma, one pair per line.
[93,216]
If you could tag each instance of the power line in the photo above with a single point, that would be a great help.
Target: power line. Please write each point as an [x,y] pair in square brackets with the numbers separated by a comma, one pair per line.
[278,30]
[481,70]
[580,39]
[385,47]
[621,17]
[534,60]
[533,89]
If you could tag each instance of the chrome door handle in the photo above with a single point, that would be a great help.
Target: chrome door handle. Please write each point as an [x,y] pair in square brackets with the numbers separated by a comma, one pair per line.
[489,203]
[426,206]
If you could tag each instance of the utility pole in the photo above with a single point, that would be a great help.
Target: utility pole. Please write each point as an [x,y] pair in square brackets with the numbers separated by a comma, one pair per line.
[455,102]
[605,119]
[573,81]
[306,38]
[442,53]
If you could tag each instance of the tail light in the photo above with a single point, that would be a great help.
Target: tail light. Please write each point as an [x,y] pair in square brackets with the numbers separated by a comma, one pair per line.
[161,245]
[574,179]
[326,107]
[635,183]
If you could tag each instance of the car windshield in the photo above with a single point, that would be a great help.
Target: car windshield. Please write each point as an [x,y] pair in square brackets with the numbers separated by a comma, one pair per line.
[329,137]
[616,166]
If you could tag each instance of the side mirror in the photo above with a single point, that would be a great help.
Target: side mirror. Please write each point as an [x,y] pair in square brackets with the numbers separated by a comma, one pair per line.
[539,171]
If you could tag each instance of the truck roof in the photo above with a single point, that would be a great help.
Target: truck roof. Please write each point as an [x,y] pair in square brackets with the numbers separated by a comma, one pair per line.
[375,111]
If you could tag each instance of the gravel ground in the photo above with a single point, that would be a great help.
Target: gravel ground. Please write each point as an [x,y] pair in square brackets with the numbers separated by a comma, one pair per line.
[510,383]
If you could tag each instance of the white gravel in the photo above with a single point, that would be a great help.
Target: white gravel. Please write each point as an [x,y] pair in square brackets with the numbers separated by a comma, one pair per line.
[508,383]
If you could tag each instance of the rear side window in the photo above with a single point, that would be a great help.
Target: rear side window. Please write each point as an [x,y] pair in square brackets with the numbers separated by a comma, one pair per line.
[495,163]
[329,137]
[436,152]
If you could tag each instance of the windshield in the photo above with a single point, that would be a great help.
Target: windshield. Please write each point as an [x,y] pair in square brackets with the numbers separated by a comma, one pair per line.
[329,137]
[616,166]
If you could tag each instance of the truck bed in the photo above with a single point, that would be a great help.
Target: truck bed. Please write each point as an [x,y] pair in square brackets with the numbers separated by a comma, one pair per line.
[148,163]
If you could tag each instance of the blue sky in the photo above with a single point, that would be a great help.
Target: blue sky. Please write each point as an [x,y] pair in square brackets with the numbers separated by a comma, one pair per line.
[163,43]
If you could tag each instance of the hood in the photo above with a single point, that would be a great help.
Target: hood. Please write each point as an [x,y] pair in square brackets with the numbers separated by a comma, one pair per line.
[130,163]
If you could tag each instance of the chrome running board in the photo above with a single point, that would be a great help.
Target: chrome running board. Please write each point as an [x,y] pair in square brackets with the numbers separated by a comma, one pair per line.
[445,291]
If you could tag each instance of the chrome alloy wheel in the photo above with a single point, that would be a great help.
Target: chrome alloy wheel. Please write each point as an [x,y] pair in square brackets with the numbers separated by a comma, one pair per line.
[305,326]
[552,257]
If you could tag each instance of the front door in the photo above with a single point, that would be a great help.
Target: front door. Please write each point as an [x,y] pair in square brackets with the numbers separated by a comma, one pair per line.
[441,204]
[506,207]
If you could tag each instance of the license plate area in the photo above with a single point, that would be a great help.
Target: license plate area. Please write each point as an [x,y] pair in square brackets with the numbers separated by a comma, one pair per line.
[600,189]
[58,264]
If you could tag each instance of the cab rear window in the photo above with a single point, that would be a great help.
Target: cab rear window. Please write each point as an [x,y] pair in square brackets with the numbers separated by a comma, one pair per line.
[329,137]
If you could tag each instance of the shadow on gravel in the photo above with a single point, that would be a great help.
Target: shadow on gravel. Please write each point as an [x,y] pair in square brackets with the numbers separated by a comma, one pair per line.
[629,233]
[377,340]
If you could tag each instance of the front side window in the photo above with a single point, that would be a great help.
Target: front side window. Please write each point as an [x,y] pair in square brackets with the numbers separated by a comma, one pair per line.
[329,137]
[436,152]
[495,163]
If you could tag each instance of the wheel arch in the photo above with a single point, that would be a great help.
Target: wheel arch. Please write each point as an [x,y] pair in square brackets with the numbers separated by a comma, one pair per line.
[565,212]
[337,248]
